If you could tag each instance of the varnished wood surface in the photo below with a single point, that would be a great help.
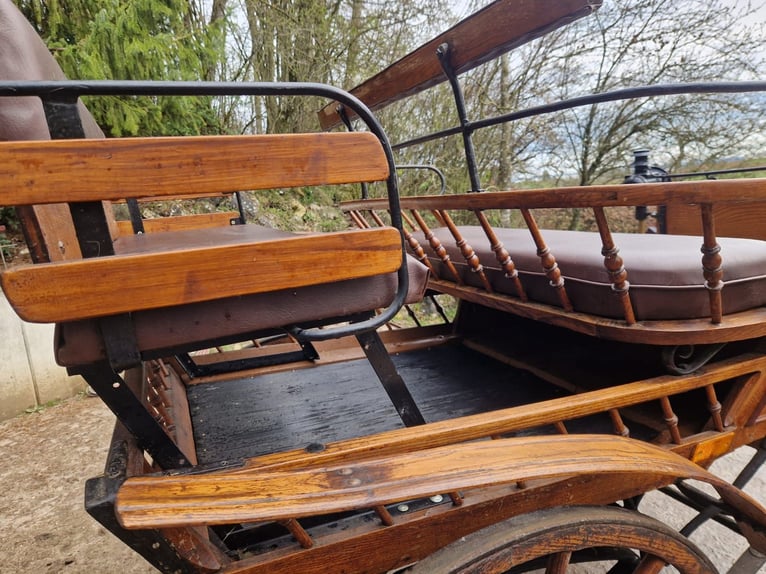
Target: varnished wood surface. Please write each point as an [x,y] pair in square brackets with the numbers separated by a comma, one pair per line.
[735,220]
[490,32]
[65,291]
[735,326]
[181,222]
[415,535]
[716,192]
[119,168]
[224,497]
[716,195]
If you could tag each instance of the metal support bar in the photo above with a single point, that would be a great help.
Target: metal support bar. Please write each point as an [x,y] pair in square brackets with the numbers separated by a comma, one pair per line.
[119,338]
[307,353]
[748,563]
[136,219]
[129,409]
[442,52]
[713,510]
[347,122]
[100,493]
[63,118]
[390,379]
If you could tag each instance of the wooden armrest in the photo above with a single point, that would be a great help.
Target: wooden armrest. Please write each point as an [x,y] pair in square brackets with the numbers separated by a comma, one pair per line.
[111,169]
[490,32]
[259,495]
[66,291]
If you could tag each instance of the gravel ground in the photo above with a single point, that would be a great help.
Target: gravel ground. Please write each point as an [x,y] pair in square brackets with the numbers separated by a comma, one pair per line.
[46,457]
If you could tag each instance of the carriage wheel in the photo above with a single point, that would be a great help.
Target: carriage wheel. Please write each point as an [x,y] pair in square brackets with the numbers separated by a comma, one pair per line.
[621,540]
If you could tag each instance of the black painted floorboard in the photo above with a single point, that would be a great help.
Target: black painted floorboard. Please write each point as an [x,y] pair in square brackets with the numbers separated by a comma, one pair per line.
[251,416]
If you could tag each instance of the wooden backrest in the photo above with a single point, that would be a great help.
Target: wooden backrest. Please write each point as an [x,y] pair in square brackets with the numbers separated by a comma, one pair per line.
[486,34]
[48,229]
[86,171]
[94,170]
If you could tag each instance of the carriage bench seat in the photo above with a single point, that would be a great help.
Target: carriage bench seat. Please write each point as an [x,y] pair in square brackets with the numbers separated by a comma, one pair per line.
[664,271]
[183,289]
[198,325]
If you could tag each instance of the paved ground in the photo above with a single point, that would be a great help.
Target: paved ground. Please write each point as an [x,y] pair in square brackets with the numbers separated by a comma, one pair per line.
[46,456]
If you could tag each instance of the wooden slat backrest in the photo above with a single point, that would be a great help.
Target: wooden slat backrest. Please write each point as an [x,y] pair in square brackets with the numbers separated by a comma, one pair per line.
[94,170]
[48,229]
[490,32]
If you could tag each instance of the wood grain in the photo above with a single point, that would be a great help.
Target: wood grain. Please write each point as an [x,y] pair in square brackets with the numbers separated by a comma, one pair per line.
[66,291]
[735,327]
[717,192]
[483,36]
[181,222]
[223,497]
[119,168]
[746,219]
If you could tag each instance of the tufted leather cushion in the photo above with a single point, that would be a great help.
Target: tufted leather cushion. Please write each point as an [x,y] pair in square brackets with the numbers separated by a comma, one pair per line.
[664,271]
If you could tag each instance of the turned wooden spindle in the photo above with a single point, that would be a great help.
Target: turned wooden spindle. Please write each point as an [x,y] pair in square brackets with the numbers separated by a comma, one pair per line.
[385,516]
[711,263]
[714,406]
[456,498]
[560,427]
[437,246]
[159,373]
[550,267]
[614,265]
[298,532]
[415,246]
[376,218]
[358,219]
[164,370]
[162,416]
[671,419]
[502,255]
[157,388]
[465,248]
[619,426]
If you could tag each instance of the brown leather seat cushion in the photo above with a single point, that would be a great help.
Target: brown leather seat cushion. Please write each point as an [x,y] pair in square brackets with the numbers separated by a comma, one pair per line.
[664,271]
[201,324]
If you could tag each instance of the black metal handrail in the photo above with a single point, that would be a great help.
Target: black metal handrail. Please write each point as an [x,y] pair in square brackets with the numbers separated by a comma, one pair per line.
[66,93]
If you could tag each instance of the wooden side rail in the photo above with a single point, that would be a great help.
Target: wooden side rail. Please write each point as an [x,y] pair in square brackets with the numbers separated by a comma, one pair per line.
[490,32]
[112,169]
[676,192]
[65,291]
[673,288]
[226,497]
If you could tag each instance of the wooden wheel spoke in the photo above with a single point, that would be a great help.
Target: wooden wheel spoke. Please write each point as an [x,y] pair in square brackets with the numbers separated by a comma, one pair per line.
[649,565]
[558,563]
[554,538]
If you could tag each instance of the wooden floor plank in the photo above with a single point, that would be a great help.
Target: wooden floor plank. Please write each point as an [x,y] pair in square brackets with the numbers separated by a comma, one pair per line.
[279,411]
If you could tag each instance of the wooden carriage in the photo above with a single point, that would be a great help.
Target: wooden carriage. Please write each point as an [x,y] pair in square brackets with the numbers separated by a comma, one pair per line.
[273,416]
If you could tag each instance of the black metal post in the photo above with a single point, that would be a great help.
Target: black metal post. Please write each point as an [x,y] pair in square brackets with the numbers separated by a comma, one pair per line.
[442,52]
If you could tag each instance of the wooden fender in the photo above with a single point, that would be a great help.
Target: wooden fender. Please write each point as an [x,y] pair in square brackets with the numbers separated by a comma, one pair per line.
[249,495]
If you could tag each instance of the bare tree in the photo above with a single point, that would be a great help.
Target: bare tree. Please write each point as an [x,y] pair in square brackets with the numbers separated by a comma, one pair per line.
[651,42]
